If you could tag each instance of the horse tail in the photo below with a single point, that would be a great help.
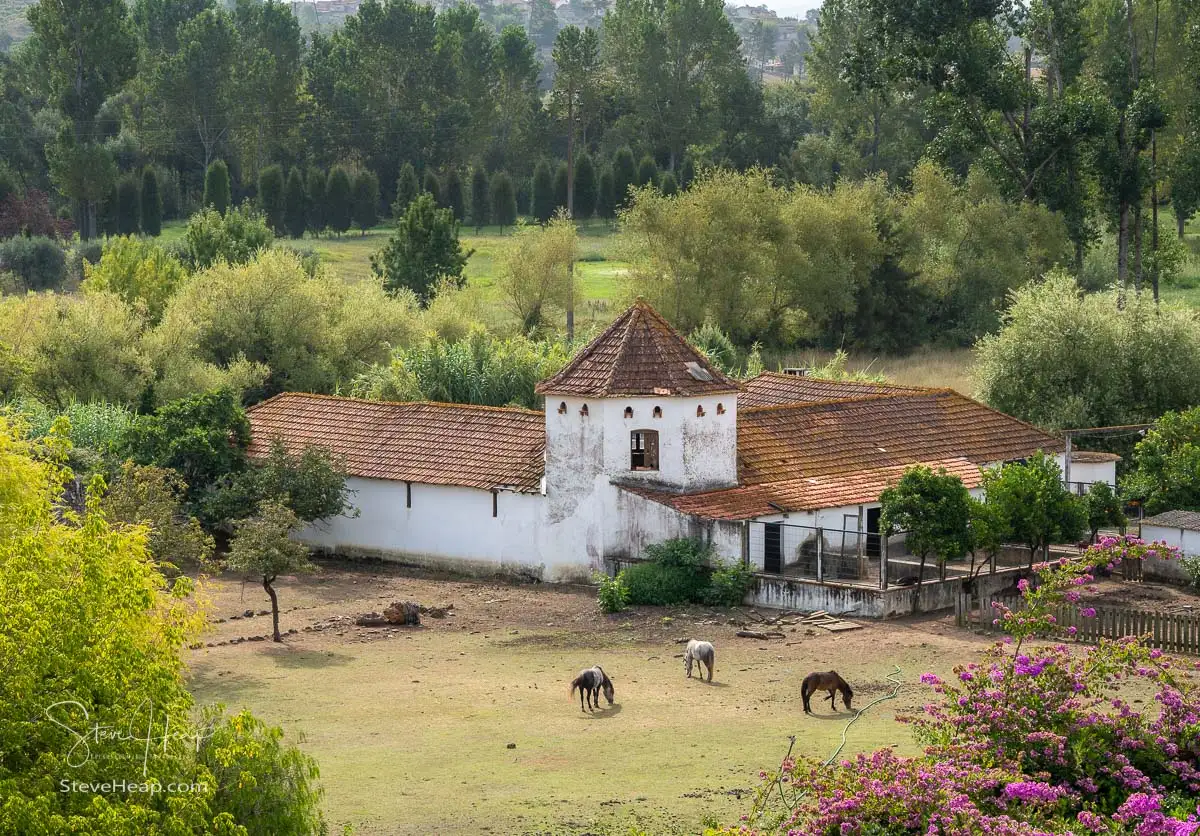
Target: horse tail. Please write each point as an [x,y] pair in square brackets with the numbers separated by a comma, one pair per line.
[575,683]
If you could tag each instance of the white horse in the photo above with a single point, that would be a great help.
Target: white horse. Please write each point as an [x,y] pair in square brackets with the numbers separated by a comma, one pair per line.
[702,653]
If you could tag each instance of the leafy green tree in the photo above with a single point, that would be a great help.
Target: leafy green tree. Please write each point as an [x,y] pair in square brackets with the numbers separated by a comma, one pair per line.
[407,189]
[454,197]
[481,202]
[262,545]
[1032,504]
[85,172]
[518,101]
[140,272]
[151,203]
[625,175]
[1166,464]
[270,197]
[424,250]
[202,438]
[667,184]
[562,177]
[535,270]
[583,205]
[1103,508]
[338,208]
[315,181]
[606,195]
[365,200]
[430,185]
[647,173]
[933,509]
[153,496]
[543,199]
[216,187]
[236,237]
[295,204]
[577,63]
[504,200]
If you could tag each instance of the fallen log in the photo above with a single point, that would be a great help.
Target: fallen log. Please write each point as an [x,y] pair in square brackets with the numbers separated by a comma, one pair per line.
[754,634]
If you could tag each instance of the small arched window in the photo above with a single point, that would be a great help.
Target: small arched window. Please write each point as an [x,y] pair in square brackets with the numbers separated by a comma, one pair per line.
[699,410]
[658,412]
[629,412]
[584,411]
[720,409]
[562,408]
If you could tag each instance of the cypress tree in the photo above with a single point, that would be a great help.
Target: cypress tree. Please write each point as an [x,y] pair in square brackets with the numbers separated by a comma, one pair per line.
[504,200]
[216,186]
[366,200]
[687,173]
[129,213]
[431,186]
[406,190]
[606,197]
[151,203]
[624,176]
[295,204]
[647,173]
[314,184]
[270,196]
[454,195]
[541,202]
[667,184]
[337,200]
[585,187]
[481,201]
[560,187]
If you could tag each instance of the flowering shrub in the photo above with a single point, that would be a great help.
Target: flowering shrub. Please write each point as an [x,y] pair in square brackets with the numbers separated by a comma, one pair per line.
[1031,740]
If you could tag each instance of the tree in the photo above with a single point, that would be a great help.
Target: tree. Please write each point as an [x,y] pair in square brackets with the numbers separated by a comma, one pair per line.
[481,202]
[262,545]
[454,198]
[431,186]
[1102,507]
[577,62]
[407,189]
[562,176]
[202,438]
[934,512]
[87,174]
[667,184]
[1032,504]
[365,200]
[543,202]
[606,195]
[129,212]
[216,187]
[687,173]
[140,272]
[314,183]
[153,496]
[1166,464]
[235,237]
[270,197]
[151,203]
[424,250]
[504,200]
[337,200]
[535,270]
[647,172]
[295,204]
[586,188]
[624,176]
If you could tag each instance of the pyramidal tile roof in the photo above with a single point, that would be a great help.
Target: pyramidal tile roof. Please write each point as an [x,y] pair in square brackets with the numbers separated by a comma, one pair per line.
[639,354]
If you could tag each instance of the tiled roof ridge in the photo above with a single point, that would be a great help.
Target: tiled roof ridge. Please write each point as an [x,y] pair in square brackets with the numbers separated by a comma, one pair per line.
[609,379]
[903,387]
[587,351]
[511,410]
[866,398]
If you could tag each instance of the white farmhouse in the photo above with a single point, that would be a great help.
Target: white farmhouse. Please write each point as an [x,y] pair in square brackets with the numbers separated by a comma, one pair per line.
[641,440]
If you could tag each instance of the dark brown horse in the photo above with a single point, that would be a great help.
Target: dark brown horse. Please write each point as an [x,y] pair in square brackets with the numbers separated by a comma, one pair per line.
[590,682]
[829,681]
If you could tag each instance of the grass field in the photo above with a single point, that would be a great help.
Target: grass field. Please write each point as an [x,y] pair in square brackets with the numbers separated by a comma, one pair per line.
[412,728]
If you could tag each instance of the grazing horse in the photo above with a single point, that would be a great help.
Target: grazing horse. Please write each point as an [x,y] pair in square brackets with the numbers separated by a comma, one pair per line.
[702,654]
[590,682]
[828,681]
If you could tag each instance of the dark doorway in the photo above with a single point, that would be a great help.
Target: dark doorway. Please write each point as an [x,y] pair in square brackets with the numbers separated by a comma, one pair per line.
[773,548]
[873,543]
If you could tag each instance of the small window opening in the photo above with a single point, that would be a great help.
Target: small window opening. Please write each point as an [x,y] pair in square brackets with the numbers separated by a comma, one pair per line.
[699,410]
[495,502]
[643,450]
[720,409]
[408,494]
[584,411]
[658,412]
[629,412]
[562,408]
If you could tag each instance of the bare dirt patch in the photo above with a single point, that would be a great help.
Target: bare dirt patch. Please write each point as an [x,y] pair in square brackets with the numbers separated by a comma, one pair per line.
[412,726]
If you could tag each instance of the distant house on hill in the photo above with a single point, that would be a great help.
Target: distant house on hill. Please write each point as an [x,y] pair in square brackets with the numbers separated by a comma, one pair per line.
[641,440]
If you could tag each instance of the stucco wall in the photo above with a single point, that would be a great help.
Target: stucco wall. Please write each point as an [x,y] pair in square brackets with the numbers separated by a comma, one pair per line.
[1170,570]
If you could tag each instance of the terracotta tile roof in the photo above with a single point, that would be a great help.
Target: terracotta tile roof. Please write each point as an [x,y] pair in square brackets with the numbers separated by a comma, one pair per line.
[821,439]
[1187,520]
[775,388]
[750,501]
[639,354]
[1093,457]
[430,443]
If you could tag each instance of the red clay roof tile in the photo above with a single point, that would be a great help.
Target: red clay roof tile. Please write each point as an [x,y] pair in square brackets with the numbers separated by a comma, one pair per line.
[776,388]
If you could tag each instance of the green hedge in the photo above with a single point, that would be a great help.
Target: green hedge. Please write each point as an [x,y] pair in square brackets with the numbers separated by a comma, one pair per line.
[684,571]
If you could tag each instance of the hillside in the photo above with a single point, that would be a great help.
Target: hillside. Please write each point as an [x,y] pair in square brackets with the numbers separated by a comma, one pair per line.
[12,19]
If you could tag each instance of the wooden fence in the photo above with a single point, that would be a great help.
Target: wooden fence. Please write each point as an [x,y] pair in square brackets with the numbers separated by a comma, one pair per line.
[1167,631]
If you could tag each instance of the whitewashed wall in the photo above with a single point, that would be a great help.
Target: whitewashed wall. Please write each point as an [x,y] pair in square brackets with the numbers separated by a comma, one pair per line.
[1171,570]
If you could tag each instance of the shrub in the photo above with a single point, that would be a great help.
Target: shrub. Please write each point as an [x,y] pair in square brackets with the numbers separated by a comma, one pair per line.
[1191,565]
[680,552]
[236,236]
[216,187]
[153,496]
[614,593]
[728,585]
[137,270]
[40,263]
[129,210]
[659,584]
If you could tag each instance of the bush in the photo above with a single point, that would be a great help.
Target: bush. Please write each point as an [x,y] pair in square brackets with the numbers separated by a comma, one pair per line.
[216,187]
[728,585]
[1191,565]
[658,584]
[680,552]
[236,236]
[139,271]
[614,593]
[40,263]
